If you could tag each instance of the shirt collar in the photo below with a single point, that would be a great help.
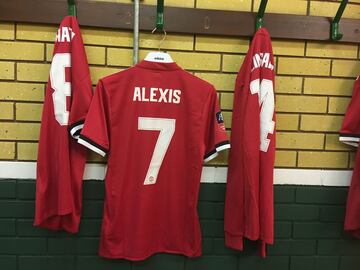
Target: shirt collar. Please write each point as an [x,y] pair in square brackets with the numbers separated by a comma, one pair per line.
[158,66]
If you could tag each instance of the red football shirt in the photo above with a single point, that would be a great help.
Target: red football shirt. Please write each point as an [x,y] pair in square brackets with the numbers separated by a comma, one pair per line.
[157,123]
[249,193]
[61,159]
[350,134]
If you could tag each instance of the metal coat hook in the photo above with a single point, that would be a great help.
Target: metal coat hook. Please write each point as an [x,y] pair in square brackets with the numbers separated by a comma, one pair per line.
[335,34]
[163,39]
[72,8]
[160,15]
[160,21]
[260,15]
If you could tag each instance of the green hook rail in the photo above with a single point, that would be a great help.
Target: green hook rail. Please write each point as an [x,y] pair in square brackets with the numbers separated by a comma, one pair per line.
[72,7]
[335,33]
[160,15]
[260,15]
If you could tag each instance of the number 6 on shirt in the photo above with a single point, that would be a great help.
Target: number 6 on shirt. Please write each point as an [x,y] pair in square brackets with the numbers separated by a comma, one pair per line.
[167,128]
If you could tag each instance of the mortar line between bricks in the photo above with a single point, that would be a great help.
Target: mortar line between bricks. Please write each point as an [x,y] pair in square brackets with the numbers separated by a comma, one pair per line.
[339,262]
[75,260]
[308,7]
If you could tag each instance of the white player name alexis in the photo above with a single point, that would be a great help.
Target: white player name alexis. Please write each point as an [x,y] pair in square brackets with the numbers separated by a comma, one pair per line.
[155,94]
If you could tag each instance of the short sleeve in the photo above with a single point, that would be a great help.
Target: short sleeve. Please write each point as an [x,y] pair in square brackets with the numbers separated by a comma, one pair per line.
[350,130]
[96,130]
[215,134]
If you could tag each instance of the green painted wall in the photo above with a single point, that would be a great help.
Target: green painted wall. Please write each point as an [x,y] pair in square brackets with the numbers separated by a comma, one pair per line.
[308,230]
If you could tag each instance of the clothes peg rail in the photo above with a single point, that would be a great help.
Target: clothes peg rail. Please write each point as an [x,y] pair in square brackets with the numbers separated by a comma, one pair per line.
[180,20]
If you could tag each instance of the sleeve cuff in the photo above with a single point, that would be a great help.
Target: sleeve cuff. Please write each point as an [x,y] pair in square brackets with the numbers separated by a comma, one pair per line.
[92,145]
[215,152]
[350,139]
[76,128]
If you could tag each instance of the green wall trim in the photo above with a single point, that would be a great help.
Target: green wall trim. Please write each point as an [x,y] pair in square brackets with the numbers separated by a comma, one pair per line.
[308,234]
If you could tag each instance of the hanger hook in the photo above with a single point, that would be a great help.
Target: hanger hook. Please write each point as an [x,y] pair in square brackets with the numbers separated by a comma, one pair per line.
[335,33]
[163,38]
[72,8]
[260,14]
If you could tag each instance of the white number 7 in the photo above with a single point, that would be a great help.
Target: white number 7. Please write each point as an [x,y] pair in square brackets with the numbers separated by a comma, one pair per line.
[167,128]
[265,91]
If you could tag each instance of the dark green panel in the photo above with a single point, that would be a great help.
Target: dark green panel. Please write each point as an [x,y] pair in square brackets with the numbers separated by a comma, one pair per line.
[25,228]
[212,192]
[327,262]
[26,189]
[206,210]
[350,263]
[315,225]
[89,227]
[8,246]
[94,190]
[339,247]
[292,247]
[292,212]
[212,263]
[13,208]
[8,262]
[208,228]
[22,245]
[219,228]
[46,262]
[317,230]
[161,262]
[87,246]
[30,245]
[7,189]
[98,263]
[7,227]
[284,194]
[321,195]
[66,245]
[207,245]
[314,263]
[332,213]
[257,263]
[93,209]
[219,210]
[301,263]
[282,229]
[32,262]
[219,248]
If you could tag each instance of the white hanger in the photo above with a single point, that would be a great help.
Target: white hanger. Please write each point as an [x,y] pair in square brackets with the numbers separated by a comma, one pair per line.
[159,56]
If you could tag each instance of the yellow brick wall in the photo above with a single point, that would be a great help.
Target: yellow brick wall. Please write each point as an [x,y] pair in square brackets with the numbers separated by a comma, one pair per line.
[313,83]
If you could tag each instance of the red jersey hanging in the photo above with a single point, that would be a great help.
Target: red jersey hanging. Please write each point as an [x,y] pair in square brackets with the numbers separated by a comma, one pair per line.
[61,159]
[249,193]
[350,134]
[157,123]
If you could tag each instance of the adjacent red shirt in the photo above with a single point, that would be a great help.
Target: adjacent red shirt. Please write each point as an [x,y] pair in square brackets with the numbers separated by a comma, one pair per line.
[350,134]
[61,159]
[157,123]
[249,194]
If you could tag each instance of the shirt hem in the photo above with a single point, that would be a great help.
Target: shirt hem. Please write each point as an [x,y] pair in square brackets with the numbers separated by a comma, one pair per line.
[108,256]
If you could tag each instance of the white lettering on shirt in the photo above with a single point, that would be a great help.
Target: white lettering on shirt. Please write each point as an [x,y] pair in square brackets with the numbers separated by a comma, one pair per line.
[262,60]
[64,34]
[157,94]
